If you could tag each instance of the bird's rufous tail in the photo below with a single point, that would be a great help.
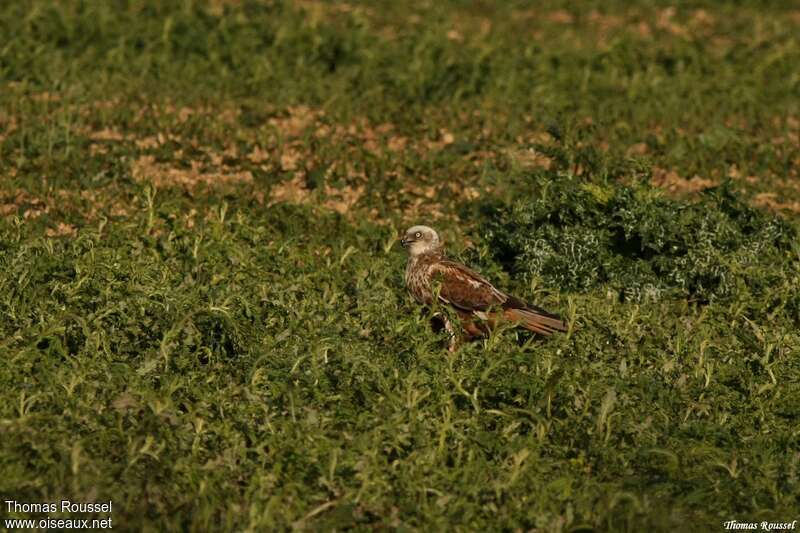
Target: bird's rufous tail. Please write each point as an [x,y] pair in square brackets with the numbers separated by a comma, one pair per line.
[536,321]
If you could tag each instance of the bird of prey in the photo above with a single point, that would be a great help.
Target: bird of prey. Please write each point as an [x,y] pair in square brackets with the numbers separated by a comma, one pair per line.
[479,306]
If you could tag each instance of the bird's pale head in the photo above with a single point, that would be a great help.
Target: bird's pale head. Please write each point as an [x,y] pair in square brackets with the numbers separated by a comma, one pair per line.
[420,239]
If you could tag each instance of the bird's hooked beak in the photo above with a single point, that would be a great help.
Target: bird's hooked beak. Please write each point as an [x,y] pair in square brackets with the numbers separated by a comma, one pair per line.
[404,242]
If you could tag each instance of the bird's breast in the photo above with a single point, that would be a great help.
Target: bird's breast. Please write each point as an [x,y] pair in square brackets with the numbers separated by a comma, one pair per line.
[418,280]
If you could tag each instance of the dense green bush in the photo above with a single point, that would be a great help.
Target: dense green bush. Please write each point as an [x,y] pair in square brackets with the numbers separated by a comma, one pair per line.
[578,236]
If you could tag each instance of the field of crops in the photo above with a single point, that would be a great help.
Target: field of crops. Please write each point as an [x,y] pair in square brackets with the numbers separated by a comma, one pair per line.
[202,311]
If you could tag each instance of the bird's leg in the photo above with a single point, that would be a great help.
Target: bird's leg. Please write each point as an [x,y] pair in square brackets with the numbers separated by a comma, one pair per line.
[452,344]
[440,321]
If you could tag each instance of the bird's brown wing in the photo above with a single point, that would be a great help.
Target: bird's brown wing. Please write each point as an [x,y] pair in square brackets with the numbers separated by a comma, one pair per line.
[470,292]
[464,288]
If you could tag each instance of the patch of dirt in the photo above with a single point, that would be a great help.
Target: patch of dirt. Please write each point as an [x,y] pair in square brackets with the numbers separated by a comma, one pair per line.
[298,120]
[735,174]
[99,201]
[8,125]
[397,144]
[107,134]
[770,200]
[342,200]
[665,21]
[529,159]
[643,29]
[299,140]
[445,139]
[560,16]
[605,23]
[674,183]
[150,143]
[145,168]
[98,149]
[637,149]
[258,155]
[61,230]
[226,114]
[89,204]
[45,96]
[12,202]
[292,191]
[319,11]
[292,157]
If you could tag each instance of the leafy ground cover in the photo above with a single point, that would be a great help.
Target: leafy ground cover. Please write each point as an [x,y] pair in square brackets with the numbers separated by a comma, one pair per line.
[203,317]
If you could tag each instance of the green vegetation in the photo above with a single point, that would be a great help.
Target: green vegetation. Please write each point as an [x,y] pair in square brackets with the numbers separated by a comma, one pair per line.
[203,315]
[579,236]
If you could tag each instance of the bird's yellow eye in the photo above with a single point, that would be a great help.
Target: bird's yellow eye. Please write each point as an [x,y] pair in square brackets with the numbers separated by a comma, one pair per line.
[418,235]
